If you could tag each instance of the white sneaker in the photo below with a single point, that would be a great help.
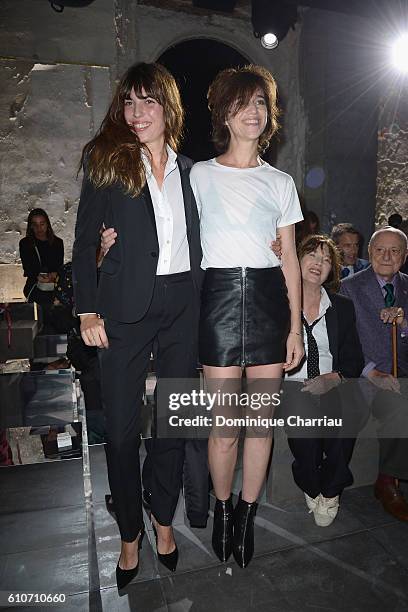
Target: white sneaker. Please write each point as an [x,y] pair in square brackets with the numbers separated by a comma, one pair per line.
[326,510]
[311,502]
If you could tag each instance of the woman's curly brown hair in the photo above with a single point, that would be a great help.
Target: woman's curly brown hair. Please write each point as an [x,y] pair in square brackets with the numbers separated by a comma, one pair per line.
[231,91]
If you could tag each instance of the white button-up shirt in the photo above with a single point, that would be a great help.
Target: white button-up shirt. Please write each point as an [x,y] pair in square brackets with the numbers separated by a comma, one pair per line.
[319,332]
[168,206]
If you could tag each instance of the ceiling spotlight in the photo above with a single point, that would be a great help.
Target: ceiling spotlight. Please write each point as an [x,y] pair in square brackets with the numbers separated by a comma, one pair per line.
[399,53]
[269,41]
[272,20]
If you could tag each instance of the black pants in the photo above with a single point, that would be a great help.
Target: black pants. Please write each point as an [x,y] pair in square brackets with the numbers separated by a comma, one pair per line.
[322,464]
[321,454]
[171,326]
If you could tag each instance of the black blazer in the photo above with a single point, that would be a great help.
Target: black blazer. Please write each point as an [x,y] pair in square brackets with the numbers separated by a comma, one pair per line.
[52,258]
[344,342]
[128,272]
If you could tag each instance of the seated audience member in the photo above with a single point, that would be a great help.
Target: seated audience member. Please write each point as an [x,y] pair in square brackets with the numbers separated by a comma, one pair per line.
[380,296]
[347,240]
[395,220]
[333,350]
[42,255]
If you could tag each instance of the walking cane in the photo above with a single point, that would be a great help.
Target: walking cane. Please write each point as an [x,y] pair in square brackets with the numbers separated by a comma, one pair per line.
[394,349]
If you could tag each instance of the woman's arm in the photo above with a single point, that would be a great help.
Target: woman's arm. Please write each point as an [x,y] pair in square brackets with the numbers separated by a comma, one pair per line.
[29,258]
[91,214]
[291,272]
[60,255]
[57,258]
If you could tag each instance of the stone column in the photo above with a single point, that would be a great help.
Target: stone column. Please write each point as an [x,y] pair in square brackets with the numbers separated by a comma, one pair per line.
[392,157]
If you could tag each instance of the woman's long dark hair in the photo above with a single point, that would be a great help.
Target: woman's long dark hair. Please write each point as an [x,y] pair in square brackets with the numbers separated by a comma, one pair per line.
[39,212]
[114,154]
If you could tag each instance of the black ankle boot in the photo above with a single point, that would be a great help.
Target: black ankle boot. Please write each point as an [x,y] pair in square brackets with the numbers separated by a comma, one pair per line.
[222,528]
[243,541]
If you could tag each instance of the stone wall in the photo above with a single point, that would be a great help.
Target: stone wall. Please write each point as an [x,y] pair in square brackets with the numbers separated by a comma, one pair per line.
[48,112]
[392,177]
[55,84]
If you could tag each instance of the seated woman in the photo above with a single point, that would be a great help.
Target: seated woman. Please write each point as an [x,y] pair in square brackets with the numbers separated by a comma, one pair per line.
[333,351]
[42,255]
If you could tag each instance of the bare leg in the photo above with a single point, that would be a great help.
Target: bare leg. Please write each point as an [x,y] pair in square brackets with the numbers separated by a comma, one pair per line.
[165,538]
[257,450]
[129,554]
[222,452]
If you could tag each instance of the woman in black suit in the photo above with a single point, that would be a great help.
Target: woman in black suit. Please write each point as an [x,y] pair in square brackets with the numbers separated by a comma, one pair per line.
[333,352]
[147,297]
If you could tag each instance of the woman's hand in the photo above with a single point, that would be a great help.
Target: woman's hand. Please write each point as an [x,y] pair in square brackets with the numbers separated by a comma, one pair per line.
[108,239]
[322,384]
[44,278]
[47,277]
[93,331]
[294,351]
[276,246]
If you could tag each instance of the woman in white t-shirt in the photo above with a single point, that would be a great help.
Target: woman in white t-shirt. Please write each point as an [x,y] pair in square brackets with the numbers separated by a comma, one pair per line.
[250,309]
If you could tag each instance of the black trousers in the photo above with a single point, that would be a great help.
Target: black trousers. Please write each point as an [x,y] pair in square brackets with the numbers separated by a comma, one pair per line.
[321,465]
[170,327]
[321,454]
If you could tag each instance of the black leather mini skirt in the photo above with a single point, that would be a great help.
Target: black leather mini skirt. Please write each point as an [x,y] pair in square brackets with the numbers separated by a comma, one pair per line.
[245,317]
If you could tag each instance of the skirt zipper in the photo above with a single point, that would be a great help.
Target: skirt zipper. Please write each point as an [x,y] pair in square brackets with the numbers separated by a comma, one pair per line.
[243,316]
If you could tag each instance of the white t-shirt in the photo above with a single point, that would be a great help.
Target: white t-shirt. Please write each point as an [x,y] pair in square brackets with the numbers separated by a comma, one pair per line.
[240,209]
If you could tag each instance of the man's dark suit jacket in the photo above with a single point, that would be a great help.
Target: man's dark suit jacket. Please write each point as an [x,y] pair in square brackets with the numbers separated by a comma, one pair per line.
[344,342]
[365,291]
[128,271]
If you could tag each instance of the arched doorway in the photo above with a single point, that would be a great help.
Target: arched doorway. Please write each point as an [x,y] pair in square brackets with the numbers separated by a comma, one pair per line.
[194,64]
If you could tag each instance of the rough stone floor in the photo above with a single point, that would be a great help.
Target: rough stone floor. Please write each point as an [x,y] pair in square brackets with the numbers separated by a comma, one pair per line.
[52,541]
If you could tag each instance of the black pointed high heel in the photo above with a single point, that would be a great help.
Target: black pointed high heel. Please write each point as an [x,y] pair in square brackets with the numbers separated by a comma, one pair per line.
[169,560]
[123,576]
